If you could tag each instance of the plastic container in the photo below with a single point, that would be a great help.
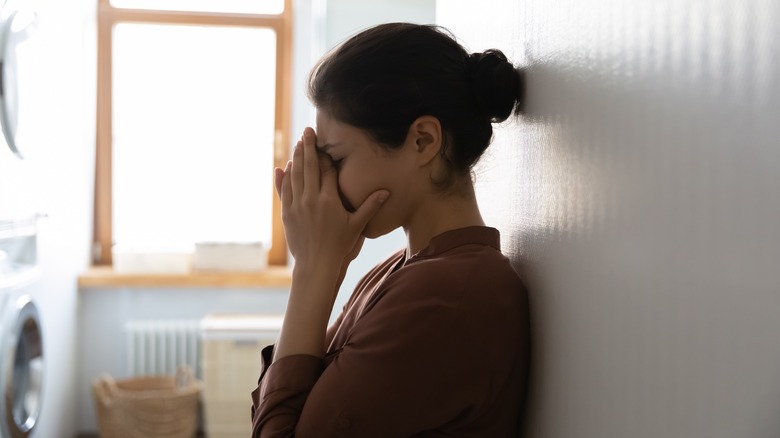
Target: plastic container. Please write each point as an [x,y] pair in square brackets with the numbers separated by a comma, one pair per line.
[231,366]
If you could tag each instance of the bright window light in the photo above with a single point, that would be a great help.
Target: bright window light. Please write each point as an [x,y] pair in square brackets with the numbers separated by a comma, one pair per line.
[193,121]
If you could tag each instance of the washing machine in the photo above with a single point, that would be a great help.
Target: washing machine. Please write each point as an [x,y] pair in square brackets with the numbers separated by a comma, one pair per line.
[22,363]
[21,343]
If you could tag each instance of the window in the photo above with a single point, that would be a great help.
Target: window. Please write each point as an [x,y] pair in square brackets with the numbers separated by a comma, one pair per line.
[193,113]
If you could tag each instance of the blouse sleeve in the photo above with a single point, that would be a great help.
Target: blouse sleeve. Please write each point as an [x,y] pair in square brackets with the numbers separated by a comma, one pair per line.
[279,398]
[395,376]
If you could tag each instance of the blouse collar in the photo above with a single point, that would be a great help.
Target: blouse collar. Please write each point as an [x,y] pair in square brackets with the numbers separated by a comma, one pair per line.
[474,235]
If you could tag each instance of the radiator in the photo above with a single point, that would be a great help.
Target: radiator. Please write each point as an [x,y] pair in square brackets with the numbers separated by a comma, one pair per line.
[156,347]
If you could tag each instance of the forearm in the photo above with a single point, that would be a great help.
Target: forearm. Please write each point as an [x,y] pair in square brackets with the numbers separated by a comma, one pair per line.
[313,290]
[320,234]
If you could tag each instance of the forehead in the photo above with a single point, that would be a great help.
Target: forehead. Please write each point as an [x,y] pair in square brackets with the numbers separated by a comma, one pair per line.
[325,123]
[333,132]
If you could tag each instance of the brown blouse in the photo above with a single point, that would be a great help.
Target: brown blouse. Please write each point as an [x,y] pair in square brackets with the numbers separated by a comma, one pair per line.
[436,345]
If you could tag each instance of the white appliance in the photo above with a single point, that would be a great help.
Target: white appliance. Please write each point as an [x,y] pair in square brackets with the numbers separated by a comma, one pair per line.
[21,344]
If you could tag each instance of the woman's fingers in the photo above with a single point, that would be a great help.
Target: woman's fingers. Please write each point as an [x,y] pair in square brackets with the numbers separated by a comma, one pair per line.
[278,176]
[355,251]
[305,166]
[325,162]
[311,165]
[369,208]
[286,194]
[297,170]
[312,207]
[328,175]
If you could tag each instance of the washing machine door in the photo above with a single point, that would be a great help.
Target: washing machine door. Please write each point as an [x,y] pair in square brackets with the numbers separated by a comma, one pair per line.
[22,368]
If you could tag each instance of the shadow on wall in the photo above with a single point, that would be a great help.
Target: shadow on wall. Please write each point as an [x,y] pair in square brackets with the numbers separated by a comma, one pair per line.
[638,199]
[625,162]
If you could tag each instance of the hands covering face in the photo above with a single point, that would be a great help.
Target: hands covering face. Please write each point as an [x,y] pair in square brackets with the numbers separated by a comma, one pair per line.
[320,231]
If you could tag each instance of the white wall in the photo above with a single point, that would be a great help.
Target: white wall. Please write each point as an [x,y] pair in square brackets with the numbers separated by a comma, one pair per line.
[60,158]
[347,17]
[639,198]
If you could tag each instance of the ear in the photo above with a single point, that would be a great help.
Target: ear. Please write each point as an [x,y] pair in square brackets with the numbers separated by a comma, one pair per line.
[425,136]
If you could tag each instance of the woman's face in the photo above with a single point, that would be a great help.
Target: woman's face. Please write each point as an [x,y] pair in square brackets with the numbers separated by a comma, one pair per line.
[365,167]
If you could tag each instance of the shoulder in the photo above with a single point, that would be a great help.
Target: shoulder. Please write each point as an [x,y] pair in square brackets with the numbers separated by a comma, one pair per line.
[467,268]
[376,275]
[466,297]
[383,268]
[468,282]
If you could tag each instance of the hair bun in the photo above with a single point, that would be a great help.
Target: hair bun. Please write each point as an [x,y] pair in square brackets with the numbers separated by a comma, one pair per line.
[498,86]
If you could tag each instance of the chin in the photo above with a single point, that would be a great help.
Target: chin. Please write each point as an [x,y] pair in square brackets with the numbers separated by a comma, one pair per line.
[374,230]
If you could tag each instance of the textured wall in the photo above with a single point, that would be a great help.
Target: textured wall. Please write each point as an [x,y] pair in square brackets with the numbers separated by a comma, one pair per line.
[640,197]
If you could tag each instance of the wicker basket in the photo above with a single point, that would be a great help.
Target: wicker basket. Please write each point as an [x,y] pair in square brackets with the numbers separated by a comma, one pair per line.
[144,407]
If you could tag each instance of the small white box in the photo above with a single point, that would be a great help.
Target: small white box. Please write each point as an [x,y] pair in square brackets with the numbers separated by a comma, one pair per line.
[230,256]
[151,261]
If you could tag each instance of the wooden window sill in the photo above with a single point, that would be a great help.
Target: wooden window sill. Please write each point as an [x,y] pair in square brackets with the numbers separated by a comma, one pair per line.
[105,277]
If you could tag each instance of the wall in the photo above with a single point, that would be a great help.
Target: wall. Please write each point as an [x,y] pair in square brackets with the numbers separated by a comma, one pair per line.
[60,167]
[347,17]
[638,197]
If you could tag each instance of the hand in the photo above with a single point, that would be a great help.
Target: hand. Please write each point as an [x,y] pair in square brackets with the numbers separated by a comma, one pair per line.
[319,230]
[323,237]
[353,253]
[326,164]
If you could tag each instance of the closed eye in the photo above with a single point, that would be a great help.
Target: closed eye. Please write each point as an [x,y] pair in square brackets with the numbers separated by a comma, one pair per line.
[333,162]
[336,163]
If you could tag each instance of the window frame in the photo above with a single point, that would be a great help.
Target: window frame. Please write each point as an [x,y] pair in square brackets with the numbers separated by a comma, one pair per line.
[107,17]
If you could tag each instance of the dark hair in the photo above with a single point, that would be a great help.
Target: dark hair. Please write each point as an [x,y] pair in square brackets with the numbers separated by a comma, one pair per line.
[385,77]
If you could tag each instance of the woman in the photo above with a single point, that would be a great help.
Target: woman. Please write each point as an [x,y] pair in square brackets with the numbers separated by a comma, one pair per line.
[434,340]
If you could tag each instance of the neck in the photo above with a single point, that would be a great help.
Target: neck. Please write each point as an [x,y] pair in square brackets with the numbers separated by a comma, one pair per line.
[441,214]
